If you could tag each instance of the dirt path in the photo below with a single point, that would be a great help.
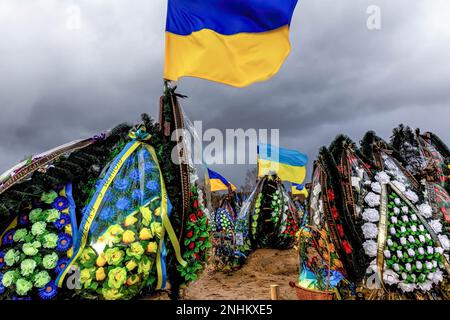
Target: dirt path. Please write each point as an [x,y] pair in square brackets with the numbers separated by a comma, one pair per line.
[264,268]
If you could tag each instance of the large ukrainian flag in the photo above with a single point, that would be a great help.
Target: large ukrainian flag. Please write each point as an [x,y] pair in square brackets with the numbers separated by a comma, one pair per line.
[236,42]
[289,165]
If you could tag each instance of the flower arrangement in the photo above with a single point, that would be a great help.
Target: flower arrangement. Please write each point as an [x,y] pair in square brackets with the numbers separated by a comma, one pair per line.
[34,247]
[197,239]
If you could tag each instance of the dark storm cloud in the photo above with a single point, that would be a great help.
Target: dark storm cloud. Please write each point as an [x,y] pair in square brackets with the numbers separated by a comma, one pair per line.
[341,77]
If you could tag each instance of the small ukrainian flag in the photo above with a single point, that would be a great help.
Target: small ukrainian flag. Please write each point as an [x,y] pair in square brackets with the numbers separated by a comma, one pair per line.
[299,189]
[289,165]
[235,42]
[218,182]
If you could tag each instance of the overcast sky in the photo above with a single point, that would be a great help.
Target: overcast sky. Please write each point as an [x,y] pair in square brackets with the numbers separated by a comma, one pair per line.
[59,82]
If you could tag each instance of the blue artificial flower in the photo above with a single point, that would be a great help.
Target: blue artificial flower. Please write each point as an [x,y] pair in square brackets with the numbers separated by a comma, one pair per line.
[64,219]
[64,242]
[61,265]
[108,197]
[61,203]
[153,186]
[2,287]
[49,291]
[2,260]
[121,184]
[123,204]
[106,213]
[8,238]
[148,167]
[129,161]
[23,219]
[137,195]
[146,154]
[135,175]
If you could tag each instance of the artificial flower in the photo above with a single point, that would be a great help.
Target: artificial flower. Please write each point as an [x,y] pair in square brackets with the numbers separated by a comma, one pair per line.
[397,201]
[403,241]
[406,287]
[115,230]
[106,213]
[123,204]
[61,203]
[27,267]
[430,250]
[101,260]
[23,286]
[2,259]
[436,226]
[114,256]
[111,294]
[370,248]
[414,217]
[117,277]
[369,230]
[135,250]
[61,265]
[400,186]
[87,256]
[131,265]
[23,219]
[50,260]
[121,184]
[152,186]
[394,220]
[11,257]
[49,291]
[100,274]
[425,286]
[445,242]
[86,277]
[156,228]
[382,177]
[128,237]
[425,210]
[130,220]
[50,241]
[145,234]
[41,279]
[372,199]
[371,215]
[396,210]
[157,212]
[390,277]
[49,197]
[8,238]
[62,221]
[376,187]
[152,247]
[387,254]
[64,242]
[9,277]
[20,235]
[36,215]
[38,228]
[144,265]
[52,215]
[411,195]
[132,280]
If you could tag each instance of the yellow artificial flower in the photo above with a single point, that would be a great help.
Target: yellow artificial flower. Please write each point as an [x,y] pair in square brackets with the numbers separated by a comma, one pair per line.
[152,247]
[158,212]
[115,230]
[130,220]
[145,265]
[112,235]
[156,229]
[135,250]
[131,265]
[146,215]
[128,237]
[111,294]
[114,256]
[133,280]
[117,277]
[145,234]
[100,274]
[88,255]
[86,277]
[101,260]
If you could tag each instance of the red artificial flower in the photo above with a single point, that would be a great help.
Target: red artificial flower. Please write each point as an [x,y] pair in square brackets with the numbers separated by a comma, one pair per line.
[200,213]
[334,213]
[197,256]
[207,222]
[347,247]
[190,234]
[340,230]
[191,245]
[201,239]
[192,218]
[195,205]
[191,194]
[330,195]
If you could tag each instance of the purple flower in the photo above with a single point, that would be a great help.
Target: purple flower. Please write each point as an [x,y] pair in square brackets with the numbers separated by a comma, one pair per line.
[62,264]
[121,184]
[64,242]
[61,203]
[23,219]
[106,213]
[8,238]
[123,204]
[64,219]
[49,291]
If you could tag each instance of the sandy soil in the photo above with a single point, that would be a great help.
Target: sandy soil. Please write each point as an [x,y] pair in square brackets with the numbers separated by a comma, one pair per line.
[264,268]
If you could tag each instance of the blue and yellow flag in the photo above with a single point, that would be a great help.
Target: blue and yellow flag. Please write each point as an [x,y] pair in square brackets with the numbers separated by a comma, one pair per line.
[289,165]
[299,189]
[235,42]
[218,182]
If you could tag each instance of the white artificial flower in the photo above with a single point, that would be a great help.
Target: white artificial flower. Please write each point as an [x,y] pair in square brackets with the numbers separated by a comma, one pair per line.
[399,254]
[445,242]
[405,209]
[390,277]
[425,210]
[394,220]
[400,186]
[370,248]
[406,287]
[434,264]
[403,241]
[421,228]
[382,177]
[396,210]
[436,226]
[413,228]
[371,215]
[356,183]
[392,231]
[411,239]
[430,276]
[413,217]
[369,230]
[372,268]
[421,238]
[426,286]
[372,199]
[411,195]
[396,267]
[419,265]
[387,254]
[389,242]
[397,201]
[404,275]
[411,252]
[405,218]
[430,250]
[421,251]
[439,250]
[402,229]
[428,236]
[408,266]
[437,276]
[376,187]
[428,265]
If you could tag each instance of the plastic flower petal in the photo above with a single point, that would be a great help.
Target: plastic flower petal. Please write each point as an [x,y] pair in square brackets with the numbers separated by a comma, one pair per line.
[50,261]
[61,203]
[11,257]
[38,228]
[52,215]
[27,267]
[41,279]
[23,286]
[49,197]
[36,215]
[62,221]
[50,240]
[20,235]
[49,291]
[117,277]
[64,242]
